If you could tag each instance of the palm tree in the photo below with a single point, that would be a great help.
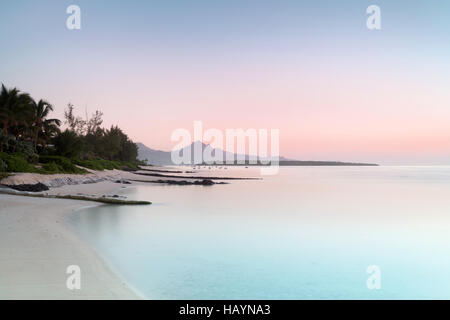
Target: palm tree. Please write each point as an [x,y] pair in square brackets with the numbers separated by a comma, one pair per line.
[14,110]
[43,129]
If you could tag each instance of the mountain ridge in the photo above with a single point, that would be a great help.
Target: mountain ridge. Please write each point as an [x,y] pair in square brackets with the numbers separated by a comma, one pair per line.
[161,158]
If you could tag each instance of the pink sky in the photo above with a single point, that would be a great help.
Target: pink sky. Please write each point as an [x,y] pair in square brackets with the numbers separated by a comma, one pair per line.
[334,115]
[335,90]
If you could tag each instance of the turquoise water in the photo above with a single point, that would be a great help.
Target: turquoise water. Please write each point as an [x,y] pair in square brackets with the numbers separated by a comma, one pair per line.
[305,233]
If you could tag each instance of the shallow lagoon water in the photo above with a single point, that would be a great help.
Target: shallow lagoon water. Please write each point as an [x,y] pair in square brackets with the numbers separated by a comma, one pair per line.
[305,233]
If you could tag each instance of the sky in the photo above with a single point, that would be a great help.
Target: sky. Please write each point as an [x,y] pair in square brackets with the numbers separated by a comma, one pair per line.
[312,69]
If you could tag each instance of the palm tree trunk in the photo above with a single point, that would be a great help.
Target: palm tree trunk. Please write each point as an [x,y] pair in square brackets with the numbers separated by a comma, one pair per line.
[36,140]
[5,128]
[5,134]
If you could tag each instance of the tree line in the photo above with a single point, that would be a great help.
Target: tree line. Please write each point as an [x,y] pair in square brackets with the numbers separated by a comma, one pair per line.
[27,127]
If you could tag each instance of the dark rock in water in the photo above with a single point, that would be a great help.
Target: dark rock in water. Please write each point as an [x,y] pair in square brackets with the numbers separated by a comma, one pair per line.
[29,187]
[124,168]
[204,182]
[122,181]
[175,182]
[115,196]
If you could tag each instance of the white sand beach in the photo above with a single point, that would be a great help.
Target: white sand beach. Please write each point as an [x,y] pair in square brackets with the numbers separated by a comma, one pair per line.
[36,247]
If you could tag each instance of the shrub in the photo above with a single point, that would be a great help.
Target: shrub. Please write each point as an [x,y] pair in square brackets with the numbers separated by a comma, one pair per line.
[26,148]
[16,162]
[3,175]
[7,142]
[99,164]
[68,144]
[52,167]
[130,165]
[64,164]
[10,144]
[3,166]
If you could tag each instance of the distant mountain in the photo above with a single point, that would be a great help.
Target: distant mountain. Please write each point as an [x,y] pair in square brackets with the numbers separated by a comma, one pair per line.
[154,157]
[160,158]
[211,154]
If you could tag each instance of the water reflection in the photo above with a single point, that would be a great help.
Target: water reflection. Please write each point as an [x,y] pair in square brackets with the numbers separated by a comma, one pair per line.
[305,233]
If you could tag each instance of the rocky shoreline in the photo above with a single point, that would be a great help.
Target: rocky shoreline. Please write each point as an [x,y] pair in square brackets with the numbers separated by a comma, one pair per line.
[59,182]
[203,182]
[192,177]
[103,199]
[32,183]
[37,187]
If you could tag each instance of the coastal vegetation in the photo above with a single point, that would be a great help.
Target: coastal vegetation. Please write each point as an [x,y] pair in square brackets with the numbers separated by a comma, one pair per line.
[32,141]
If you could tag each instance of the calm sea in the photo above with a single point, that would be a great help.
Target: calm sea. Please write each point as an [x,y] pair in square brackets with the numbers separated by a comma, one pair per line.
[305,233]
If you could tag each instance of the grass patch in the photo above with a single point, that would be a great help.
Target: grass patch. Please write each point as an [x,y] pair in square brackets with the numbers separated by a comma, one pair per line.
[130,165]
[4,175]
[51,168]
[101,164]
[16,162]
[58,164]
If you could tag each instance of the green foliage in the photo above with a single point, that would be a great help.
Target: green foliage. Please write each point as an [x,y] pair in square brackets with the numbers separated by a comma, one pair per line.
[11,145]
[22,119]
[101,164]
[52,167]
[26,148]
[129,150]
[3,166]
[58,164]
[112,144]
[7,142]
[68,144]
[26,128]
[42,129]
[98,164]
[16,162]
[4,175]
[83,127]
[15,111]
[130,165]
[96,142]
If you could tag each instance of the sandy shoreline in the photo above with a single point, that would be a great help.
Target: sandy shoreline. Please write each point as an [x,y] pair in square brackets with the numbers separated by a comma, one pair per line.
[36,247]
